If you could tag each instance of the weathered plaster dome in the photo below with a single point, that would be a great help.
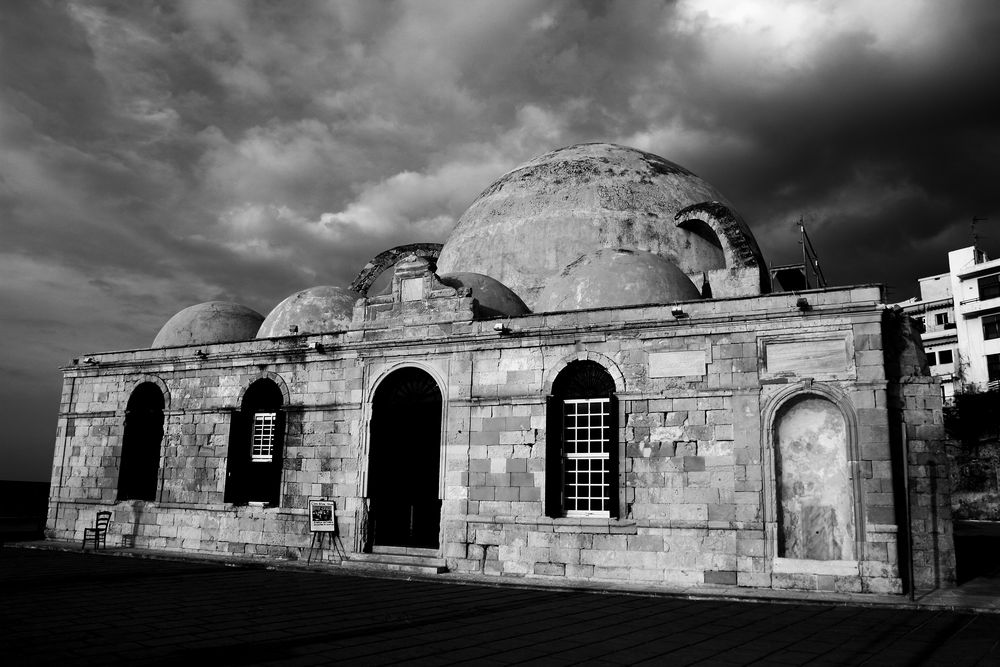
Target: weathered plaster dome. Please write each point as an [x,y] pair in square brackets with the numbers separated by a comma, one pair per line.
[609,278]
[536,219]
[313,310]
[495,299]
[210,322]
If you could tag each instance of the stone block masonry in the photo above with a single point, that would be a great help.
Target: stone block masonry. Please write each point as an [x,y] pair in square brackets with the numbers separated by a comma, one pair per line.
[698,486]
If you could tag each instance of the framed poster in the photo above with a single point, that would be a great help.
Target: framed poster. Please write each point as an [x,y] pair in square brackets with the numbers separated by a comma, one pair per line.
[322,515]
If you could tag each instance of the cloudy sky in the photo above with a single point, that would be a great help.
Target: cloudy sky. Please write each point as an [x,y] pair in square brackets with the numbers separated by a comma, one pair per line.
[154,155]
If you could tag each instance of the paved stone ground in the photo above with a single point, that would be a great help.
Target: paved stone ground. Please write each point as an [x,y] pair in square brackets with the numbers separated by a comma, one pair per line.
[74,608]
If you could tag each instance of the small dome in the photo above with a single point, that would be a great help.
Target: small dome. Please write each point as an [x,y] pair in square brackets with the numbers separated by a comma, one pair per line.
[310,311]
[495,299]
[610,278]
[207,323]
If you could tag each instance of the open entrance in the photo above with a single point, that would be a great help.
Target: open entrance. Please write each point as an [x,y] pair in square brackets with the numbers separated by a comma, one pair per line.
[405,459]
[140,463]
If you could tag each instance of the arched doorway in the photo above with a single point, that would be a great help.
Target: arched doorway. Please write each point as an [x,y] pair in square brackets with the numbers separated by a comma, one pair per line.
[140,462]
[404,460]
[816,516]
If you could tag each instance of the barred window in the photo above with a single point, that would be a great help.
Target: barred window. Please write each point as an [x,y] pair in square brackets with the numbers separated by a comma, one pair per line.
[256,443]
[262,448]
[587,484]
[582,452]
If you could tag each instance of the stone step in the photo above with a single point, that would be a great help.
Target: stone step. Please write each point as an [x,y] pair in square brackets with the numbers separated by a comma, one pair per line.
[375,566]
[401,559]
[405,551]
[398,562]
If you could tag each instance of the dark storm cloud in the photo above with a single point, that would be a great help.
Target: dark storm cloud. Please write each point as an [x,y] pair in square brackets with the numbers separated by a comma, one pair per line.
[879,150]
[155,155]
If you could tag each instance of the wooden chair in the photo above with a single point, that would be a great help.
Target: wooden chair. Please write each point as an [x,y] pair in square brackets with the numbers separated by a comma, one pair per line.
[99,531]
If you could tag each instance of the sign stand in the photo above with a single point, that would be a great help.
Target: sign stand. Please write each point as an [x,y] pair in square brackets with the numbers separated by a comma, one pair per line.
[323,522]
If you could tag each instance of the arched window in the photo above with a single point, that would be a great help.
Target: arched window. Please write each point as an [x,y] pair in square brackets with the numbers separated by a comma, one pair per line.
[256,441]
[140,463]
[582,443]
[816,504]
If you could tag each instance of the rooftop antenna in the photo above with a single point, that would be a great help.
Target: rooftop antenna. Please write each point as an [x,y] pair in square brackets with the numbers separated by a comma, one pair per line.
[809,257]
[975,237]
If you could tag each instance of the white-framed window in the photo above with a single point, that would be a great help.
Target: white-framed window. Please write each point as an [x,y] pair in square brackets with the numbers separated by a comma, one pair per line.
[993,371]
[991,327]
[941,319]
[262,444]
[989,287]
[587,484]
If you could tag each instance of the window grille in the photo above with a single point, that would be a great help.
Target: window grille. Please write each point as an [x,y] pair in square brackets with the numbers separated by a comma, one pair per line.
[262,446]
[587,483]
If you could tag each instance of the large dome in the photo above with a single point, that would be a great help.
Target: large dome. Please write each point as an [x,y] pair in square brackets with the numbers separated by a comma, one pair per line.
[310,311]
[612,278]
[536,219]
[210,322]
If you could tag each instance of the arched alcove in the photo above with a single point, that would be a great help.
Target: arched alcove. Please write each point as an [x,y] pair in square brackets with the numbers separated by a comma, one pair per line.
[138,473]
[816,504]
[404,460]
[704,243]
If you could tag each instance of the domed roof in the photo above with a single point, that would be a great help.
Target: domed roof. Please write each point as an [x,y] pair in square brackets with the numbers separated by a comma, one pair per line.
[207,323]
[312,310]
[609,278]
[536,219]
[495,299]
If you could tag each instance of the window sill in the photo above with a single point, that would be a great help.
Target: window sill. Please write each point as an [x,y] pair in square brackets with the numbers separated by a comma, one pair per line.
[595,525]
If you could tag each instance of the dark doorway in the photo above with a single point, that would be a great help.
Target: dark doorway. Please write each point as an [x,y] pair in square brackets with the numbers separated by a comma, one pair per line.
[140,463]
[256,447]
[404,462]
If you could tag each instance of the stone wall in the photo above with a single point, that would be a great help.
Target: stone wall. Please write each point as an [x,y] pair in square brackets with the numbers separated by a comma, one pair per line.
[921,465]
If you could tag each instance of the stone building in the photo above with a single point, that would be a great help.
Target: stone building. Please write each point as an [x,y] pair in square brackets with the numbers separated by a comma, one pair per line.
[590,381]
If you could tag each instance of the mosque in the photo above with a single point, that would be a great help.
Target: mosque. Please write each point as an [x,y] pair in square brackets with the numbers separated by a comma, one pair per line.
[592,380]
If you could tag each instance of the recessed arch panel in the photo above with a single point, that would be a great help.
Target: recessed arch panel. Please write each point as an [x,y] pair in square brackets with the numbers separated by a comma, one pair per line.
[816,498]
